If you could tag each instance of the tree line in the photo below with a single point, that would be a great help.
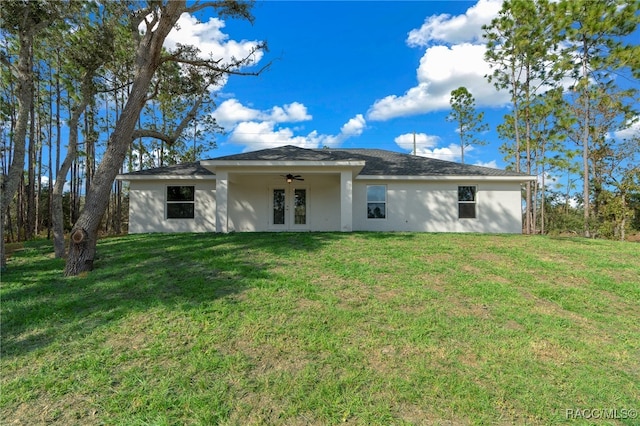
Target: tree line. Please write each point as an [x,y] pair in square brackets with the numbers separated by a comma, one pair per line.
[88,90]
[571,69]
[75,70]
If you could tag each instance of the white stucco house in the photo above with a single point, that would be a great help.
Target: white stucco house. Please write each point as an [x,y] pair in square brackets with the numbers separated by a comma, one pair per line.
[296,189]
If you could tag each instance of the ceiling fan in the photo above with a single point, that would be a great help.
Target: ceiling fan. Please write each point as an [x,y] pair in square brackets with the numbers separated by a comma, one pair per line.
[290,178]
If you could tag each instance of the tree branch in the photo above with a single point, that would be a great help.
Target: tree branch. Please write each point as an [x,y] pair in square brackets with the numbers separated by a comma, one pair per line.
[215,65]
[4,59]
[177,132]
[156,89]
[225,8]
[150,133]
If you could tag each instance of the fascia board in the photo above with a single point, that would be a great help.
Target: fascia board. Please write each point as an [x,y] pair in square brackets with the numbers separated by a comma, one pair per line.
[449,178]
[280,163]
[165,177]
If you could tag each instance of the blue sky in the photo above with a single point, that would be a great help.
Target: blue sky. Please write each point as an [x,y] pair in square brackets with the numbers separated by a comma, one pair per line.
[353,74]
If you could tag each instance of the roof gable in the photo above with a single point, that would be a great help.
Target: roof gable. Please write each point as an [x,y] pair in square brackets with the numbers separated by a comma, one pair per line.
[283,153]
[377,162]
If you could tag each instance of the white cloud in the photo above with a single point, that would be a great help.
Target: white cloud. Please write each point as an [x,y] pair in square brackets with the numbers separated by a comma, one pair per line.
[354,127]
[427,146]
[231,112]
[422,141]
[448,153]
[415,101]
[492,164]
[442,69]
[260,129]
[446,66]
[260,135]
[290,113]
[211,42]
[456,29]
[630,132]
[208,37]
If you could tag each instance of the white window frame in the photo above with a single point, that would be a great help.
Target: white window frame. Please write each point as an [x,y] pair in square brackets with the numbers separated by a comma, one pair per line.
[474,202]
[385,202]
[169,202]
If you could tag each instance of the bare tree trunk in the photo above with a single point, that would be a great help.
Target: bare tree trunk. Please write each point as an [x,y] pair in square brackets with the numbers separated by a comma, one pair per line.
[89,146]
[58,119]
[585,141]
[50,195]
[39,188]
[543,189]
[118,214]
[24,71]
[12,235]
[3,263]
[84,235]
[61,178]
[20,202]
[623,221]
[30,188]
[73,204]
[57,215]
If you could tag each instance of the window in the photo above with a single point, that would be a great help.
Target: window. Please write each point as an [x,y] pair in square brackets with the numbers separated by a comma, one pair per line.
[467,202]
[376,201]
[180,202]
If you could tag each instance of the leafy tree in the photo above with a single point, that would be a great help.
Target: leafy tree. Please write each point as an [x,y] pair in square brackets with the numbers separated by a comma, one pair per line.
[594,32]
[86,50]
[157,19]
[178,89]
[521,43]
[464,115]
[21,21]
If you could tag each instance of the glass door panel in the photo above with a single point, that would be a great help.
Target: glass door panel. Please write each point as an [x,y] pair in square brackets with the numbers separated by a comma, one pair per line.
[288,209]
[278,206]
[300,206]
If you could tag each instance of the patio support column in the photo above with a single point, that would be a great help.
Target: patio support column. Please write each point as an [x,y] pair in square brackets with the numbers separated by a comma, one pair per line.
[222,194]
[346,201]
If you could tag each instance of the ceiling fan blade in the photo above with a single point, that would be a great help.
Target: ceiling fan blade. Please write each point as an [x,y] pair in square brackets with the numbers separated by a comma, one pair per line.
[289,177]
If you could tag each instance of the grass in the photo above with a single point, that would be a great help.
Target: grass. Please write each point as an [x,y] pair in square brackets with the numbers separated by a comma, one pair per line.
[288,329]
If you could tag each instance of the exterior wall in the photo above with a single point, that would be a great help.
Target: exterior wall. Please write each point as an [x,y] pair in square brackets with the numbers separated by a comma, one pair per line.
[325,215]
[249,204]
[424,206]
[147,207]
[415,206]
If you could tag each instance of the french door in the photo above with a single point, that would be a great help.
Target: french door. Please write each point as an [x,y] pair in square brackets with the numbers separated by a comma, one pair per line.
[289,208]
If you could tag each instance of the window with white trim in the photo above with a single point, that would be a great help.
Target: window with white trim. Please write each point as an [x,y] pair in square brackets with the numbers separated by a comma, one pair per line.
[467,202]
[181,202]
[376,201]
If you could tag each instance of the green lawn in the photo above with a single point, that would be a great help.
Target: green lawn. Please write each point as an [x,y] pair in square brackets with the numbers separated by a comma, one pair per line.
[324,328]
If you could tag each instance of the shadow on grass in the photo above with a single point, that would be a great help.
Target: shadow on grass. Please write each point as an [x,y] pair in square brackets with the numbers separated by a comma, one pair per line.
[134,274]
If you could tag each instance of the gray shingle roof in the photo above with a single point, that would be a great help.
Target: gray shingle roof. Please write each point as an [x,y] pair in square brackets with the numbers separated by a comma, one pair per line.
[185,169]
[378,162]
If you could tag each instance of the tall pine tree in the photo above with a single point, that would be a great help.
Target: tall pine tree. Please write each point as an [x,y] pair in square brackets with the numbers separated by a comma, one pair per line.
[470,123]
